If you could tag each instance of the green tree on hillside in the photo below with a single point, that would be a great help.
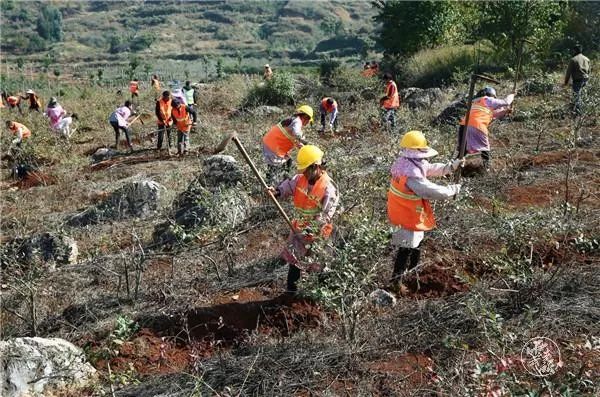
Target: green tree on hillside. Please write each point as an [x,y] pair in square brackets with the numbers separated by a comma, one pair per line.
[49,24]
[332,26]
[408,26]
[507,23]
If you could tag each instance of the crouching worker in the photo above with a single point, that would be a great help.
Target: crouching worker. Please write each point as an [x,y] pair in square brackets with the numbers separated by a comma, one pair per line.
[183,124]
[19,131]
[281,140]
[408,198]
[119,122]
[315,201]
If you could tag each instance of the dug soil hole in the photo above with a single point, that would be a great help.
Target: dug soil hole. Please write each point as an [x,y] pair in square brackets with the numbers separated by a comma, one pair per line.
[433,282]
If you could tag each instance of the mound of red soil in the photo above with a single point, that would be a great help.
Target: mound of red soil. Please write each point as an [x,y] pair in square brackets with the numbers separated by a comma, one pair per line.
[534,195]
[415,370]
[432,282]
[555,157]
[35,178]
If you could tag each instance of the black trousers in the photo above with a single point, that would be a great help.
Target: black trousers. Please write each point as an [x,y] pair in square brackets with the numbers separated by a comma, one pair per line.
[406,259]
[292,278]
[192,110]
[117,128]
[161,132]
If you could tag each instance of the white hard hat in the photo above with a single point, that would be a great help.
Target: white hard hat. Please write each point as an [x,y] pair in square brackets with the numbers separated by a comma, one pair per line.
[266,65]
[29,92]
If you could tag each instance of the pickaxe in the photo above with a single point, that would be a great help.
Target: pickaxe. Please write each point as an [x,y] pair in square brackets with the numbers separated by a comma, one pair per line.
[463,133]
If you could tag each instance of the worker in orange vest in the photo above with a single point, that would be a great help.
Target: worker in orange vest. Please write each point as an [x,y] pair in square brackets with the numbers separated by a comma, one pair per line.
[35,104]
[391,101]
[20,132]
[134,89]
[408,206]
[485,108]
[281,140]
[315,201]
[163,111]
[183,123]
[328,106]
[12,101]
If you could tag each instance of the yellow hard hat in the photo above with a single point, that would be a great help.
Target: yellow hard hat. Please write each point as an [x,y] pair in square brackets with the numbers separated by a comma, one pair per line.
[307,156]
[414,140]
[307,110]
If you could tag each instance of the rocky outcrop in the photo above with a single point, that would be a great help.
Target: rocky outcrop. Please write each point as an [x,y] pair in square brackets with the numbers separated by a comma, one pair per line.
[418,98]
[136,199]
[452,113]
[381,297]
[103,153]
[38,366]
[47,248]
[215,198]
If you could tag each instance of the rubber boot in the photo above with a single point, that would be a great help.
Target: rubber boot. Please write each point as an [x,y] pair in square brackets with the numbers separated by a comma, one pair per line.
[415,255]
[400,263]
[292,278]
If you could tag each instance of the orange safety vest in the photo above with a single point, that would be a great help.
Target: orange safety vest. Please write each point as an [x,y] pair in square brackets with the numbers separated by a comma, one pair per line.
[14,128]
[165,111]
[328,108]
[182,118]
[480,116]
[13,100]
[391,91]
[308,204]
[280,140]
[406,209]
[134,87]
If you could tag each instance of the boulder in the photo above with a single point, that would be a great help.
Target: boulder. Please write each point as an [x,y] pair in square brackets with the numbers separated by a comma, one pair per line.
[381,297]
[215,198]
[47,248]
[102,154]
[39,366]
[136,199]
[266,111]
[452,113]
[418,98]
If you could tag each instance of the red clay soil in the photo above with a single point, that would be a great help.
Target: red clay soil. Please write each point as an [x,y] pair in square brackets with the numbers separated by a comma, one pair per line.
[555,157]
[398,373]
[34,178]
[534,195]
[150,355]
[433,281]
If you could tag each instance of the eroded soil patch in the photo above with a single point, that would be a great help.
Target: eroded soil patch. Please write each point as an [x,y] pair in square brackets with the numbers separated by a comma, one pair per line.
[432,282]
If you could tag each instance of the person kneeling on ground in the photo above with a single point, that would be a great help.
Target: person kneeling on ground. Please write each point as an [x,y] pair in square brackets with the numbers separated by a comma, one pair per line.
[183,124]
[315,201]
[328,105]
[408,206]
[281,140]
[118,121]
[20,132]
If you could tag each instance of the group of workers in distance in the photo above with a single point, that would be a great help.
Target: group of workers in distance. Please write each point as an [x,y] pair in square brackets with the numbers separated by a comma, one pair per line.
[60,122]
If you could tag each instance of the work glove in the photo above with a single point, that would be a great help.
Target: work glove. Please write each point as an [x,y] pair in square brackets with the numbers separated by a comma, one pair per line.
[455,188]
[510,98]
[15,141]
[458,163]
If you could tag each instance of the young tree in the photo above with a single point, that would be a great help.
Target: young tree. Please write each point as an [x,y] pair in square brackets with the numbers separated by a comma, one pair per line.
[49,24]
[408,26]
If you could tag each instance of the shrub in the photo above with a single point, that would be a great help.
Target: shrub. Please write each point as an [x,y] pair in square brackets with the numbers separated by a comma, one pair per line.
[432,68]
[277,91]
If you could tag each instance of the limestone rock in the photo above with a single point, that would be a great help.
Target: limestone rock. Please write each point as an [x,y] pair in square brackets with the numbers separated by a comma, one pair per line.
[452,113]
[37,366]
[381,297]
[102,154]
[48,248]
[417,98]
[135,199]
[221,170]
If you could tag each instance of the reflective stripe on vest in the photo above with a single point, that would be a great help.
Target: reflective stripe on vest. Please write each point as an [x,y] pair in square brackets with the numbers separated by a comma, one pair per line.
[393,101]
[182,119]
[279,140]
[406,209]
[480,116]
[189,96]
[165,110]
[25,133]
[308,203]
